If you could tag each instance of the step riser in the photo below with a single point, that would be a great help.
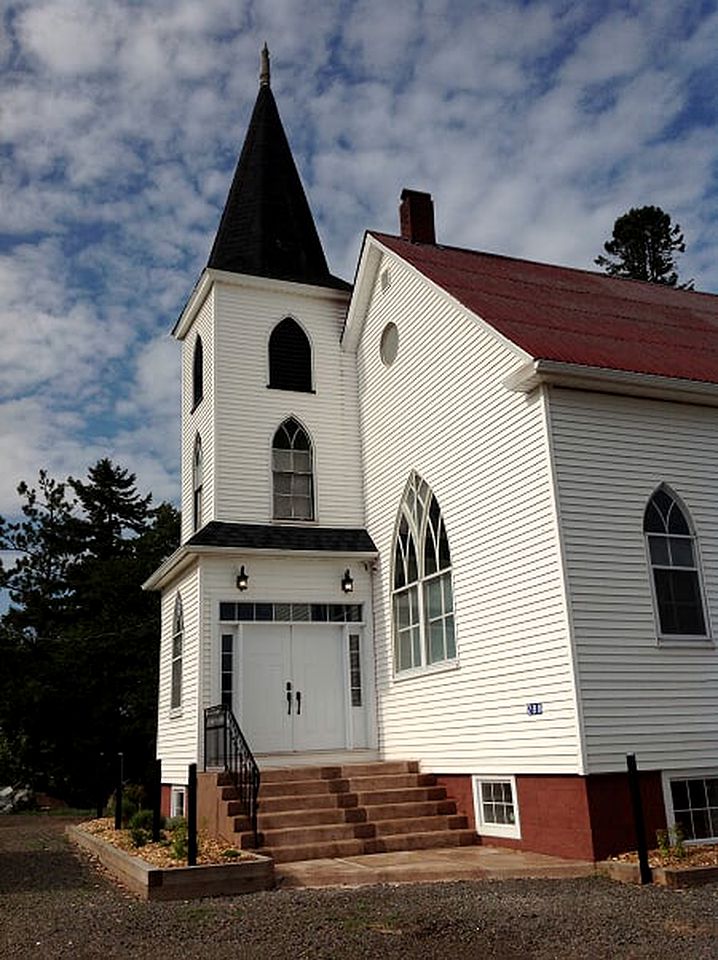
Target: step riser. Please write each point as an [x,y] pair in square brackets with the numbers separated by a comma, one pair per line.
[307,813]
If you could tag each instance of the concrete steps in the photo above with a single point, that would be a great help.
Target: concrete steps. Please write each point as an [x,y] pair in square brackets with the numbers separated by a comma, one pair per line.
[309,813]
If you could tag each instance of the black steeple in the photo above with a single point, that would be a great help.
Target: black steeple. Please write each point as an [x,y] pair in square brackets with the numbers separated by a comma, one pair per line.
[267,228]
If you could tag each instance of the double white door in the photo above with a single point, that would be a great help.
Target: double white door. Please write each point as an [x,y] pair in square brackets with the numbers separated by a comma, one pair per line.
[292,688]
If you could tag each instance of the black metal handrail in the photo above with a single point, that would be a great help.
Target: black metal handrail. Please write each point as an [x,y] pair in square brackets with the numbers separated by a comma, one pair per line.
[226,747]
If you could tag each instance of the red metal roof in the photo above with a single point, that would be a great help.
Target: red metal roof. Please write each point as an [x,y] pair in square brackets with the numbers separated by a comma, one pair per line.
[577,316]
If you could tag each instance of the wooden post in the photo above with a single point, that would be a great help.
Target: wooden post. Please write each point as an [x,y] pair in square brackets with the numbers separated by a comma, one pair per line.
[157,800]
[118,791]
[192,815]
[634,786]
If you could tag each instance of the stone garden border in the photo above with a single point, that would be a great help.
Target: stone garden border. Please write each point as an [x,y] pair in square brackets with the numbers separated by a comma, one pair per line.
[675,877]
[177,883]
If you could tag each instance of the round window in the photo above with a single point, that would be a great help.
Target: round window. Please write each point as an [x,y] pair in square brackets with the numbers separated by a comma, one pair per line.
[389,346]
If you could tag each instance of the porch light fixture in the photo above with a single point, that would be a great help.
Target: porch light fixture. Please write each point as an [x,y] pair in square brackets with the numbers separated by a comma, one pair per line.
[242,579]
[347,582]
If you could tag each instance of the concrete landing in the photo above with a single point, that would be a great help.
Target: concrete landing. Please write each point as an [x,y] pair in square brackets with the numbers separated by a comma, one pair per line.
[425,866]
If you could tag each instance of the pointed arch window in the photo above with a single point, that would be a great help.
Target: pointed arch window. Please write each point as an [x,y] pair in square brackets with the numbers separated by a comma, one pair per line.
[290,358]
[177,649]
[423,604]
[197,373]
[292,473]
[672,551]
[197,483]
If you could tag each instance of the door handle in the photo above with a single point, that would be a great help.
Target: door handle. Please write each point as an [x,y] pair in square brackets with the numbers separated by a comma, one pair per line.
[299,702]
[289,697]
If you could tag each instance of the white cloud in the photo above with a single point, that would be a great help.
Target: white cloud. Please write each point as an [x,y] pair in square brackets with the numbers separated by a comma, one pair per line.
[534,126]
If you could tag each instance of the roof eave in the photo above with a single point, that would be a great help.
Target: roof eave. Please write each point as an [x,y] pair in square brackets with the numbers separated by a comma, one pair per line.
[575,376]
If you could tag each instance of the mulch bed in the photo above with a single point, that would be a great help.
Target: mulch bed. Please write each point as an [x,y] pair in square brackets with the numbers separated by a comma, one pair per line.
[159,854]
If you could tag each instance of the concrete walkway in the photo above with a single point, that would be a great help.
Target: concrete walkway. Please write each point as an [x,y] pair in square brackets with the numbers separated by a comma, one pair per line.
[423,866]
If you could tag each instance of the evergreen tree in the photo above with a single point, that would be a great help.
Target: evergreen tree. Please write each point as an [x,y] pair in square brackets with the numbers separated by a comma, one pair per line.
[81,640]
[643,247]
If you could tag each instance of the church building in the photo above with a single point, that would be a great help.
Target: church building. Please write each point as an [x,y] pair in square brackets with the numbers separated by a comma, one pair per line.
[449,539]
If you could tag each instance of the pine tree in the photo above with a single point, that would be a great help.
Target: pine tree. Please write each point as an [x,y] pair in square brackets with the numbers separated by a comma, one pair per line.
[81,641]
[643,247]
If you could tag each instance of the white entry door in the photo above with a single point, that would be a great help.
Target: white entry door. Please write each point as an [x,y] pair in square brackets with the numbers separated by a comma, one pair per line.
[292,688]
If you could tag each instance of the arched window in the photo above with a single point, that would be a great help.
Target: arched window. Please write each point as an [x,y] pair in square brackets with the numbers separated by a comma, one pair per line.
[290,357]
[423,604]
[292,473]
[674,565]
[177,644]
[197,373]
[197,480]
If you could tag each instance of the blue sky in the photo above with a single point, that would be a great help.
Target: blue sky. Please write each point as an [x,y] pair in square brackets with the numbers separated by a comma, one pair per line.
[534,125]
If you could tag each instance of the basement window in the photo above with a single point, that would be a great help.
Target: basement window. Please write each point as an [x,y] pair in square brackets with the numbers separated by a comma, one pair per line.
[695,807]
[496,807]
[177,803]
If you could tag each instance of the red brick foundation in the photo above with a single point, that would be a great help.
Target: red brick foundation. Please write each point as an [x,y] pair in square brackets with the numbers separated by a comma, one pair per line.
[584,818]
[166,800]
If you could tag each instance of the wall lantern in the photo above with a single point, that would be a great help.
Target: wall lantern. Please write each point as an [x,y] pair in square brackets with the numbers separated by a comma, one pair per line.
[347,582]
[242,579]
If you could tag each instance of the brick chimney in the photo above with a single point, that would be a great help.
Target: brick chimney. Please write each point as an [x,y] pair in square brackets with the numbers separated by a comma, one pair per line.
[416,216]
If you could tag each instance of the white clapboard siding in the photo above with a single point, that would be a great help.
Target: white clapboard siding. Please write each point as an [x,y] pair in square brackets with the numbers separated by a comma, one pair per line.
[441,409]
[638,695]
[178,730]
[248,413]
[199,421]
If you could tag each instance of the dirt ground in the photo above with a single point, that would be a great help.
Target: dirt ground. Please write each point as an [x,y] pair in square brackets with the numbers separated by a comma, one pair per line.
[55,904]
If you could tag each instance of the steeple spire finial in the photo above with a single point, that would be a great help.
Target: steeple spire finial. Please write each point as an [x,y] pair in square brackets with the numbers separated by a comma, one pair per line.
[264,67]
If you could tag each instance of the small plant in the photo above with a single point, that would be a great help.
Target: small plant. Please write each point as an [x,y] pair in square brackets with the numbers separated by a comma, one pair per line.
[140,827]
[670,842]
[664,843]
[178,841]
[231,854]
[679,847]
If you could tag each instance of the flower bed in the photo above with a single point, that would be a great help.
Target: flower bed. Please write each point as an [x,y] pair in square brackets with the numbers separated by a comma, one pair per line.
[153,873]
[682,866]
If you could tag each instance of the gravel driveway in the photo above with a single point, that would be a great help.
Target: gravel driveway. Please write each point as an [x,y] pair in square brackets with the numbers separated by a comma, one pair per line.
[54,904]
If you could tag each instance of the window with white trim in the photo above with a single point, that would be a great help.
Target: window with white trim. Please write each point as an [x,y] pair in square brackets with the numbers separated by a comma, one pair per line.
[672,551]
[695,807]
[197,483]
[292,473]
[177,645]
[422,595]
[177,802]
[496,807]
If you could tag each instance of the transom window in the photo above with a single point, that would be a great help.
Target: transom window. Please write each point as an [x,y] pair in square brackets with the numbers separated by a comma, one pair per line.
[177,645]
[290,358]
[197,483]
[674,566]
[423,604]
[292,473]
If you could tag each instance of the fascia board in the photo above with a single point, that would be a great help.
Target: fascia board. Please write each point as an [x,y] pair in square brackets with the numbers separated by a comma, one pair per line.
[603,380]
[369,260]
[176,563]
[211,276]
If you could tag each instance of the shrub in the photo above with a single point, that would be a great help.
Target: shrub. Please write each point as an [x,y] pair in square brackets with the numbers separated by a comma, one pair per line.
[178,829]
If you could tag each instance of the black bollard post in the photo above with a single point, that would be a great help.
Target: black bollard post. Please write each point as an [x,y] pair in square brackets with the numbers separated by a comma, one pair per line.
[100,785]
[157,801]
[634,786]
[192,815]
[118,791]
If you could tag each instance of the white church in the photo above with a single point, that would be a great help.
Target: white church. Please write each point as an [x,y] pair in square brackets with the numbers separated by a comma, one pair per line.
[449,540]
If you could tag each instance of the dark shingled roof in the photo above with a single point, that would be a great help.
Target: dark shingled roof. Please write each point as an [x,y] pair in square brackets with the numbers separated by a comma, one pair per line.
[261,537]
[267,228]
[577,316]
